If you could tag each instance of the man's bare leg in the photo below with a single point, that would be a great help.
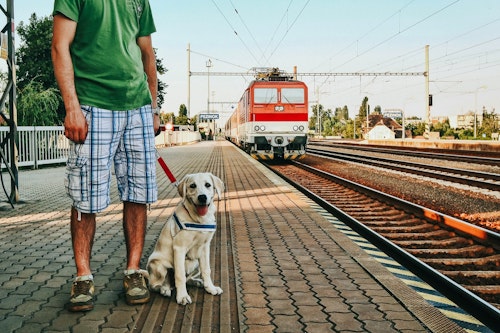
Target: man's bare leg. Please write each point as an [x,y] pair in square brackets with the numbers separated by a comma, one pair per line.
[134,227]
[82,235]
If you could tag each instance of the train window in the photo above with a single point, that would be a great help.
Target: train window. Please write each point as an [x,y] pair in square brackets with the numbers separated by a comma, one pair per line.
[265,95]
[292,95]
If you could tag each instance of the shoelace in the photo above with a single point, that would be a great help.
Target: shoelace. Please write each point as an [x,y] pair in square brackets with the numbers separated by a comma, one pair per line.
[135,280]
[81,287]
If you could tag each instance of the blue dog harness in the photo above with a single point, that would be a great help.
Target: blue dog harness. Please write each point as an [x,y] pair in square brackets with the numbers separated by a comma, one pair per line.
[194,226]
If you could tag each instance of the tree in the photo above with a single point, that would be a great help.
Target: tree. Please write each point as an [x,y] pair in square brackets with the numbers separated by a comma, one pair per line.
[442,127]
[168,117]
[363,109]
[325,115]
[34,53]
[341,113]
[348,130]
[489,124]
[328,127]
[162,87]
[183,110]
[37,106]
[417,129]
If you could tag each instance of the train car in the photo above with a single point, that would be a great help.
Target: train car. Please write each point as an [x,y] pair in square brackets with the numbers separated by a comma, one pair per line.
[271,120]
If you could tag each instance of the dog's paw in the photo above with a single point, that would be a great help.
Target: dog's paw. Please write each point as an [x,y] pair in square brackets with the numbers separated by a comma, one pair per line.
[214,290]
[166,291]
[183,299]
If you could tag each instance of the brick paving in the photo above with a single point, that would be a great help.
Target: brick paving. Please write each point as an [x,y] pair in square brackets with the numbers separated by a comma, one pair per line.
[282,266]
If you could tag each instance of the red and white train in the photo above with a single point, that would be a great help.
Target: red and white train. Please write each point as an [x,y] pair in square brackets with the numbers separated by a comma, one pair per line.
[271,120]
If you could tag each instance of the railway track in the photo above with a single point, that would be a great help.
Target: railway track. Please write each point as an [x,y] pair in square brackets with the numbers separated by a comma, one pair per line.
[480,157]
[484,180]
[458,259]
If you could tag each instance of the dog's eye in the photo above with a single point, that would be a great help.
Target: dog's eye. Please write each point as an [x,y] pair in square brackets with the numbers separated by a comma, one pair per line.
[192,185]
[208,185]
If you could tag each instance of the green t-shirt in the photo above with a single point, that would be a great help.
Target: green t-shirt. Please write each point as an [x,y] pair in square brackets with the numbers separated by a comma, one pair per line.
[109,73]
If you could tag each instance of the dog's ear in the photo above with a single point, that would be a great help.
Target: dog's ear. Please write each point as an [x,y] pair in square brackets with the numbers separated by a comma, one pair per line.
[181,186]
[218,184]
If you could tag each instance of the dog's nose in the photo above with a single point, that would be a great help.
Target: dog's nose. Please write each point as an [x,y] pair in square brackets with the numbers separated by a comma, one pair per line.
[202,199]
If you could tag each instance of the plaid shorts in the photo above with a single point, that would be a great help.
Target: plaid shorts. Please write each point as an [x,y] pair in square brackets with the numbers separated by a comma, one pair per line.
[122,138]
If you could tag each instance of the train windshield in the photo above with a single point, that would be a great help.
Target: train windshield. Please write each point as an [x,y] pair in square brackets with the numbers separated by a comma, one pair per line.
[265,95]
[292,95]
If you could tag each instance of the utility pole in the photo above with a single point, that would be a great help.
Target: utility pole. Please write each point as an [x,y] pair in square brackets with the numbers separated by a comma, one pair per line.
[427,95]
[10,91]
[189,81]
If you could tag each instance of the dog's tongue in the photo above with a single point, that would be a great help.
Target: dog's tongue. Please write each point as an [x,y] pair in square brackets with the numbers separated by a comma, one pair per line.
[201,210]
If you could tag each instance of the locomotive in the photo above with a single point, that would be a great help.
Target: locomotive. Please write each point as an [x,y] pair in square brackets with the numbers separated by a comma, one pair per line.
[271,119]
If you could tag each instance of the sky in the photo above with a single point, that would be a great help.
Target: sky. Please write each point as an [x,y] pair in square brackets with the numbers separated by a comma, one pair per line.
[330,42]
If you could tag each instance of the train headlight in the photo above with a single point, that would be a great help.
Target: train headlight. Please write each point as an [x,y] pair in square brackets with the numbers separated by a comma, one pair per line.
[262,127]
[295,128]
[301,128]
[256,128]
[278,140]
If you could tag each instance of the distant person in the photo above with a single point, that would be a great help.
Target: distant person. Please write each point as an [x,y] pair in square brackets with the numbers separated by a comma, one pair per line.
[105,67]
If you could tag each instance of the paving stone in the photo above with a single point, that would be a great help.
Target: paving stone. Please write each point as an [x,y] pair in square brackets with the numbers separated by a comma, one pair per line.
[311,313]
[11,323]
[287,324]
[282,307]
[118,319]
[254,300]
[257,316]
[27,308]
[32,327]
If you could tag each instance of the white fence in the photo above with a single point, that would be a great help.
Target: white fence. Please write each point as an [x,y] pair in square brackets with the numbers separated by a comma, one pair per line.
[40,145]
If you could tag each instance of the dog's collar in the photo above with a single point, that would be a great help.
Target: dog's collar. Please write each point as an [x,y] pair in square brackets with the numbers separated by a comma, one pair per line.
[194,226]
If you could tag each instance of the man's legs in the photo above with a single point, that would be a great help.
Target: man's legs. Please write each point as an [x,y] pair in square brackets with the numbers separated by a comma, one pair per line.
[134,227]
[82,234]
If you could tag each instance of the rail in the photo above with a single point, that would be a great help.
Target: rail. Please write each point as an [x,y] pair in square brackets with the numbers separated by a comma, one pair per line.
[45,145]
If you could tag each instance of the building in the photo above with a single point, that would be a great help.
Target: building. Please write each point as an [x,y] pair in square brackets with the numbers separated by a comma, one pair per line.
[381,128]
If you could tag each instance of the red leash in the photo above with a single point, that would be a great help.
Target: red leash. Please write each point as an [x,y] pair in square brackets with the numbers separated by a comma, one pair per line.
[165,168]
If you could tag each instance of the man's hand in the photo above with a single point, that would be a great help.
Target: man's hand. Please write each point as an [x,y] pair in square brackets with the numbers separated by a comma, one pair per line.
[75,126]
[156,124]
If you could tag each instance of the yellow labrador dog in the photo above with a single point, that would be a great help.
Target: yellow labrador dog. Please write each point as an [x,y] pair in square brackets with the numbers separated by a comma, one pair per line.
[184,242]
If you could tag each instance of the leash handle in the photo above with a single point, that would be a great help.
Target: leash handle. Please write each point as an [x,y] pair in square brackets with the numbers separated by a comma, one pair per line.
[165,168]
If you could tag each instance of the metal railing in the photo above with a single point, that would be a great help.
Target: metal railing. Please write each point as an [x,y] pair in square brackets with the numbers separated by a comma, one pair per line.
[42,145]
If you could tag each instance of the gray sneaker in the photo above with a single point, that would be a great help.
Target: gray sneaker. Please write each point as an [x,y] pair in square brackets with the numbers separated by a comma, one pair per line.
[82,296]
[136,291]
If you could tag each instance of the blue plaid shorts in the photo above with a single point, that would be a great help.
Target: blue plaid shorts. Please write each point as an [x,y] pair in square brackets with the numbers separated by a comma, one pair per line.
[124,139]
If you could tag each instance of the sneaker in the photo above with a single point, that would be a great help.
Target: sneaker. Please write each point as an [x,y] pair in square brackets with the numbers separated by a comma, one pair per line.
[82,296]
[136,291]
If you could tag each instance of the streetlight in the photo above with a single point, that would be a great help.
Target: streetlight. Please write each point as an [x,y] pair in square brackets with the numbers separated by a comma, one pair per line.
[209,64]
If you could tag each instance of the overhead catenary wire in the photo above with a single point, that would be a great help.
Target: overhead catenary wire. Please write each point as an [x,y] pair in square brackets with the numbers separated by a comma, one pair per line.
[234,31]
[247,29]
[289,28]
